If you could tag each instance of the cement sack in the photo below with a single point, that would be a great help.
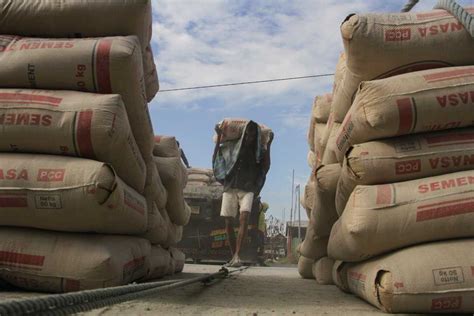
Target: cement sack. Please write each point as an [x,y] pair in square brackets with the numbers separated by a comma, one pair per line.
[324,210]
[322,271]
[203,171]
[339,72]
[232,128]
[199,177]
[312,246]
[177,258]
[101,65]
[38,260]
[307,199]
[305,267]
[429,278]
[330,152]
[157,228]
[405,158]
[166,146]
[319,130]
[87,125]
[312,159]
[175,232]
[89,18]
[67,194]
[430,100]
[409,42]
[160,263]
[339,275]
[174,177]
[410,212]
[325,135]
[310,136]
[322,107]
[154,187]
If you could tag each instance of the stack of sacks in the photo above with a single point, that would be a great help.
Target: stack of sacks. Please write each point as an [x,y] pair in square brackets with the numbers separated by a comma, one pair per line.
[407,181]
[76,139]
[200,176]
[317,126]
[175,211]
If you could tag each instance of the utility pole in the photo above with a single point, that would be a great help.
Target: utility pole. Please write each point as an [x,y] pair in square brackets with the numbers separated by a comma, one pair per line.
[288,228]
[299,212]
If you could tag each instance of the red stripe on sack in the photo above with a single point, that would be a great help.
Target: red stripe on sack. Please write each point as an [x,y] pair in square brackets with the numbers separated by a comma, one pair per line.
[103,66]
[21,258]
[13,201]
[405,113]
[29,98]
[157,139]
[449,74]
[384,194]
[130,202]
[357,276]
[445,211]
[134,263]
[83,134]
[443,203]
[449,138]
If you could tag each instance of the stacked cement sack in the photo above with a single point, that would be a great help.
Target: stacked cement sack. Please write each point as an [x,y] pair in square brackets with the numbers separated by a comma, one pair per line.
[406,148]
[77,174]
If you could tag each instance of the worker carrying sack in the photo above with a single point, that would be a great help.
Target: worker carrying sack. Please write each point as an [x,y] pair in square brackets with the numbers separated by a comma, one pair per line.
[87,125]
[85,18]
[67,194]
[44,261]
[100,65]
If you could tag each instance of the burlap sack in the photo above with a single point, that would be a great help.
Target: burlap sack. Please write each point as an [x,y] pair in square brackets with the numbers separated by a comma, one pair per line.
[71,123]
[322,107]
[339,275]
[154,187]
[166,146]
[405,158]
[429,278]
[305,267]
[312,246]
[310,136]
[39,260]
[384,45]
[175,232]
[160,263]
[102,65]
[322,271]
[232,128]
[307,199]
[319,130]
[325,135]
[174,177]
[410,212]
[311,157]
[324,214]
[418,102]
[330,152]
[177,258]
[89,18]
[199,177]
[67,194]
[204,171]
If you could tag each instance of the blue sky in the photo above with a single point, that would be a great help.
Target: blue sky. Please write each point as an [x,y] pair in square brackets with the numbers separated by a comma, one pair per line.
[205,42]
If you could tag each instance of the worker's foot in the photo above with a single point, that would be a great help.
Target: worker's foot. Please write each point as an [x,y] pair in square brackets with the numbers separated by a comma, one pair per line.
[235,262]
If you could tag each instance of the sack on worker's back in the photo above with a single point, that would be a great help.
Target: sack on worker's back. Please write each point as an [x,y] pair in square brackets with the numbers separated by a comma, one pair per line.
[174,177]
[67,194]
[86,18]
[45,261]
[166,146]
[410,212]
[87,125]
[232,129]
[423,101]
[405,158]
[428,278]
[322,271]
[101,65]
[383,45]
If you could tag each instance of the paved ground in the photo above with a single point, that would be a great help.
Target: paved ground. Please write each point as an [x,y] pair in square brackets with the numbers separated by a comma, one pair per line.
[256,291]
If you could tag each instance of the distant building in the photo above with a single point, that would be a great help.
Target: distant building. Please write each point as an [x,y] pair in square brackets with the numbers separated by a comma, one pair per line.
[293,241]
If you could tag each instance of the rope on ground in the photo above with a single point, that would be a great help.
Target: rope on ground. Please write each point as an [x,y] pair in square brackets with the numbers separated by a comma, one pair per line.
[409,5]
[69,303]
[459,12]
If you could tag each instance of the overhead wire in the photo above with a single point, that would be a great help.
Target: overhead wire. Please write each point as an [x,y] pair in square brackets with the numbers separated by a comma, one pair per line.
[246,83]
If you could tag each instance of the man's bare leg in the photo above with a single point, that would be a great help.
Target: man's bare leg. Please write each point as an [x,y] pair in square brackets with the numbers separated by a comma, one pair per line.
[229,228]
[244,218]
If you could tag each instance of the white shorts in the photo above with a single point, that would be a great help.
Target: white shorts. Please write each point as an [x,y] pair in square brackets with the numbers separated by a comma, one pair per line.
[234,198]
